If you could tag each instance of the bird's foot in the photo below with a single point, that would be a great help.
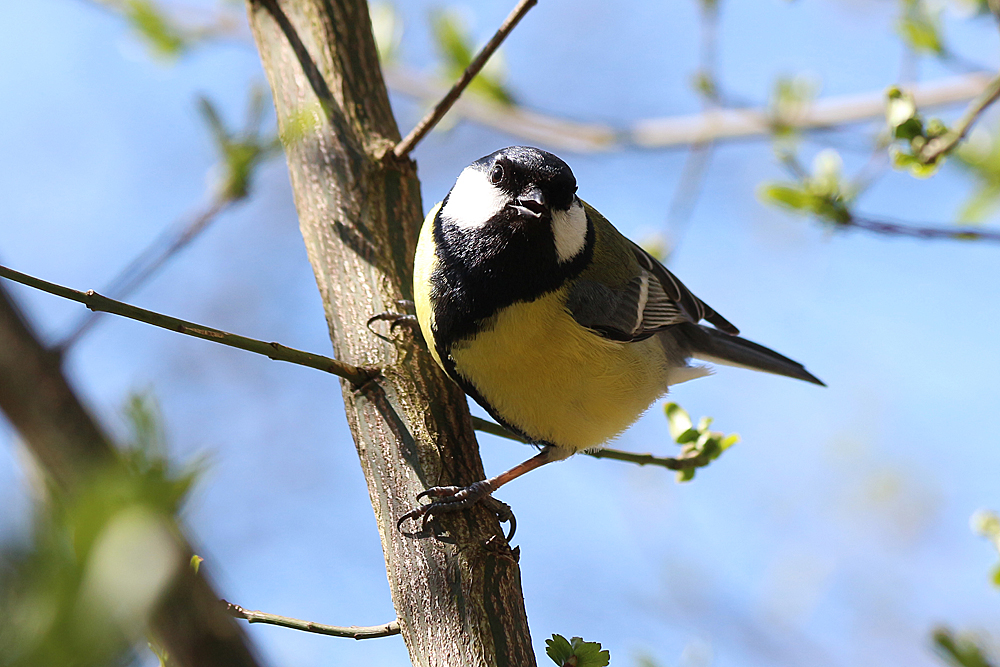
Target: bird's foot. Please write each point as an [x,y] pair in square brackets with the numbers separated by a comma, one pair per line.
[454,498]
[395,320]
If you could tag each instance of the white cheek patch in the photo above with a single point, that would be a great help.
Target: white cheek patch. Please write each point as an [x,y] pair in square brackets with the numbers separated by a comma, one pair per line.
[473,200]
[569,229]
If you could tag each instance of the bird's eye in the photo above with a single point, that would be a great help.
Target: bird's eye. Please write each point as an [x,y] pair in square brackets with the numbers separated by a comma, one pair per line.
[497,174]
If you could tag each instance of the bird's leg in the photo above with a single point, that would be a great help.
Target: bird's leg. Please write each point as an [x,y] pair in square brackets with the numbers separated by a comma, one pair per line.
[396,319]
[454,498]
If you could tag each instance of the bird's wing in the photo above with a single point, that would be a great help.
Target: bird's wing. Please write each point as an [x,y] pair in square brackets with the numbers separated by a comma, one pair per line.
[673,290]
[651,301]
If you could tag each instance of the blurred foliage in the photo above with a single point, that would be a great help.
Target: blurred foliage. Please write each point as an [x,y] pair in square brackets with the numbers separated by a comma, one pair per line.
[455,45]
[657,245]
[790,98]
[821,193]
[387,29]
[908,128]
[79,593]
[987,524]
[576,652]
[696,441]
[919,26]
[972,7]
[162,36]
[241,152]
[960,650]
[979,155]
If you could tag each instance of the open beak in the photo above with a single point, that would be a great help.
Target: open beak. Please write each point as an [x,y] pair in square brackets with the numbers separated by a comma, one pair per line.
[531,203]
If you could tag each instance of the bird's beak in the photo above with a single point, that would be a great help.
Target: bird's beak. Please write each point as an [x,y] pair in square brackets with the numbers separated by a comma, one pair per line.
[531,203]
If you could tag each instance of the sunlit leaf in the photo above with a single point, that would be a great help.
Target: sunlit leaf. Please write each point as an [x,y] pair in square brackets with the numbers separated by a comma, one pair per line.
[576,652]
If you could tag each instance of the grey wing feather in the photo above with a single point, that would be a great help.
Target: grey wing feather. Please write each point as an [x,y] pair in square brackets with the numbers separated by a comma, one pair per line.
[675,291]
[650,302]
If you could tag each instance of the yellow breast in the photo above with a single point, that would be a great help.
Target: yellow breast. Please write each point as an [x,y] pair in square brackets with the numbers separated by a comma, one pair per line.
[556,381]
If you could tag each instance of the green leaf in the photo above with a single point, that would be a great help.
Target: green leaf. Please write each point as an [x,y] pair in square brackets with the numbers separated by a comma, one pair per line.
[162,36]
[920,28]
[959,650]
[558,649]
[576,652]
[455,45]
[902,160]
[678,420]
[690,435]
[788,196]
[729,441]
[899,107]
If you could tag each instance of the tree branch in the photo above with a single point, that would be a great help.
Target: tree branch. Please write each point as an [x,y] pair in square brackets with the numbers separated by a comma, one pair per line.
[352,632]
[435,115]
[893,228]
[687,463]
[276,351]
[69,445]
[147,263]
[680,131]
[938,146]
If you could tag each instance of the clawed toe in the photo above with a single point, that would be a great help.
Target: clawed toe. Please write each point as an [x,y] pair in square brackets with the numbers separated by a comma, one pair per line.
[395,320]
[454,498]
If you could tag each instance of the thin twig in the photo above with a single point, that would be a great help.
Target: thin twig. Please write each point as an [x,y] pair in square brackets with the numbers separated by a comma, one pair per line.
[697,461]
[147,263]
[695,169]
[893,228]
[428,122]
[725,124]
[938,146]
[353,631]
[276,351]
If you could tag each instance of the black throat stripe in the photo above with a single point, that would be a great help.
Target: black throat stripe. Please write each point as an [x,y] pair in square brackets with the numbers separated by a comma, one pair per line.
[483,270]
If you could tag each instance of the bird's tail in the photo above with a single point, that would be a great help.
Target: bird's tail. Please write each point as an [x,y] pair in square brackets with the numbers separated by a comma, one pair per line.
[717,347]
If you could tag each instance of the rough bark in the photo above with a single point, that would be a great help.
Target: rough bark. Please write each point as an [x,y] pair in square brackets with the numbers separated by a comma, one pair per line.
[458,599]
[189,622]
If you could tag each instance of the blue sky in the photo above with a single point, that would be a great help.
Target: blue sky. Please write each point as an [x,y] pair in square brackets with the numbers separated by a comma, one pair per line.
[835,533]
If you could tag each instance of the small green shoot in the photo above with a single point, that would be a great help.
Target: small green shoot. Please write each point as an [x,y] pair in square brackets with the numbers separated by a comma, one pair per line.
[697,442]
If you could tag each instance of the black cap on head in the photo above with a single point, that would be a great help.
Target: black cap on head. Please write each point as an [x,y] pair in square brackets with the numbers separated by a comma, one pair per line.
[516,168]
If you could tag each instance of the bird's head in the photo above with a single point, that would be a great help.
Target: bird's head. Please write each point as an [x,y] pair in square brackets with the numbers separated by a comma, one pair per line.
[520,188]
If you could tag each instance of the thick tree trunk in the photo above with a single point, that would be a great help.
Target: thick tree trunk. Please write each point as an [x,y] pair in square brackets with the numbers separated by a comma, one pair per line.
[458,600]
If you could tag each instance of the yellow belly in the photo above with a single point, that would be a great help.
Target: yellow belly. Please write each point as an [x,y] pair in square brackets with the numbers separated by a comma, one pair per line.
[558,382]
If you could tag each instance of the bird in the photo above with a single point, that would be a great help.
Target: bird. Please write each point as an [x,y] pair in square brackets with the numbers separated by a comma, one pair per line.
[560,327]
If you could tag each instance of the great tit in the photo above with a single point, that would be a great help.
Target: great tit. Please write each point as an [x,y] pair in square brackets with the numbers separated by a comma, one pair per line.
[560,327]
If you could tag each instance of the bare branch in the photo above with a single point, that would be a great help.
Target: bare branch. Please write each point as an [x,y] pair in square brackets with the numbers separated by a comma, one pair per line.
[938,146]
[147,263]
[435,115]
[276,351]
[697,461]
[353,631]
[894,228]
[680,131]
